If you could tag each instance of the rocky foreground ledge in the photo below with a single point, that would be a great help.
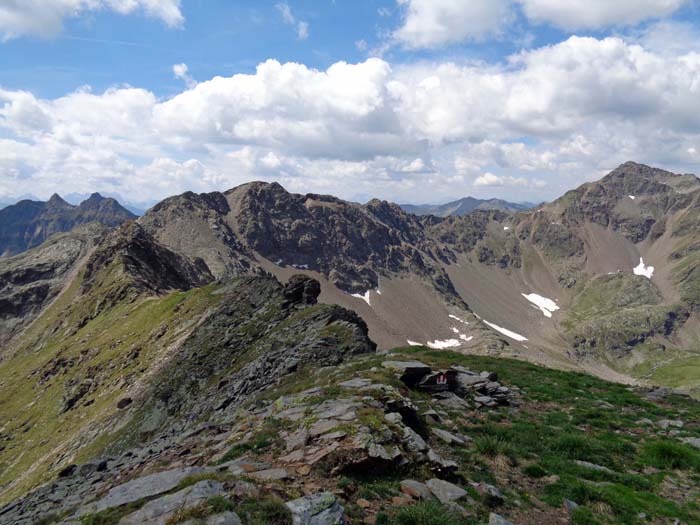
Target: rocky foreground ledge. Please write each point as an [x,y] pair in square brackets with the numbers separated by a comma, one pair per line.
[406,437]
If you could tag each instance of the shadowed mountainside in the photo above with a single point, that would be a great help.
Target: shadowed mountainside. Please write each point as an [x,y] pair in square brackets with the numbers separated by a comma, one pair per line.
[27,224]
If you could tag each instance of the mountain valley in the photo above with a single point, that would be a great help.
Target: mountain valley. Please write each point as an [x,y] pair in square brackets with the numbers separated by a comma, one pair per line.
[228,352]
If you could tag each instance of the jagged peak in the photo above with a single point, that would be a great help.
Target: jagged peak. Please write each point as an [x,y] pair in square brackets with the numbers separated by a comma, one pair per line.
[95,197]
[635,169]
[57,200]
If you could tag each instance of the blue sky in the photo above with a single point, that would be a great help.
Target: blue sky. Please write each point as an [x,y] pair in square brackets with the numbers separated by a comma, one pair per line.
[409,100]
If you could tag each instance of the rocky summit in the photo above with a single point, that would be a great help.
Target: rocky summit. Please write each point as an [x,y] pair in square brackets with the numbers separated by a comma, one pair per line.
[256,356]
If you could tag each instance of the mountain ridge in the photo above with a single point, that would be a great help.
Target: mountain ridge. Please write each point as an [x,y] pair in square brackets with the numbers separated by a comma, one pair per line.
[226,344]
[465,206]
[28,223]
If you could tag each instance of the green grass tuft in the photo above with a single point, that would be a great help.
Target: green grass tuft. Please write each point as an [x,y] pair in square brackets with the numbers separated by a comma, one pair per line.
[664,454]
[426,513]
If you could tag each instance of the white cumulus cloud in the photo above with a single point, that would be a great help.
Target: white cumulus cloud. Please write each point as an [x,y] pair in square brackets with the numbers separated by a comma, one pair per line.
[45,17]
[553,116]
[434,23]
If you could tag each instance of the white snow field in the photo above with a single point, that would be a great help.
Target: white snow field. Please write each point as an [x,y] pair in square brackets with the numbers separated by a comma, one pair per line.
[546,306]
[641,269]
[506,332]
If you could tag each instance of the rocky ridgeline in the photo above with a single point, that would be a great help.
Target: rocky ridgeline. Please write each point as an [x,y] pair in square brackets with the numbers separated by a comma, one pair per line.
[358,426]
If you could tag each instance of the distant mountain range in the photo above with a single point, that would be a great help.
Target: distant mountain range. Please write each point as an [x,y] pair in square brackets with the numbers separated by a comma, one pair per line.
[29,223]
[464,206]
[75,199]
[146,366]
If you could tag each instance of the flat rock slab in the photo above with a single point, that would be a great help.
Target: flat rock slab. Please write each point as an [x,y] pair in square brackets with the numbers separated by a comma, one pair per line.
[273,474]
[159,511]
[445,491]
[323,426]
[143,487]
[357,383]
[336,409]
[317,509]
[449,437]
[298,439]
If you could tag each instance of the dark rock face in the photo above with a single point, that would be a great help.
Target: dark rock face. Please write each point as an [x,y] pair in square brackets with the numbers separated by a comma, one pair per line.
[302,290]
[27,224]
[349,243]
[150,265]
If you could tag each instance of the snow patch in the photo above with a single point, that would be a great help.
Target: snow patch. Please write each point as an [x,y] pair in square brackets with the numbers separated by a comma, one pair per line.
[546,306]
[413,343]
[457,319]
[455,330]
[506,228]
[465,338]
[632,197]
[506,332]
[441,345]
[364,297]
[641,269]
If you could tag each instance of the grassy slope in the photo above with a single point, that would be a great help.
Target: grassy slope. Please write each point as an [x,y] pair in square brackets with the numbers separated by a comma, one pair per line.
[529,453]
[112,348]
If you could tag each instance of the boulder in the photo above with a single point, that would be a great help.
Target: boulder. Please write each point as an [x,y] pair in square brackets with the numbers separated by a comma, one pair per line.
[445,491]
[439,381]
[441,464]
[413,441]
[317,509]
[301,289]
[415,489]
[410,372]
